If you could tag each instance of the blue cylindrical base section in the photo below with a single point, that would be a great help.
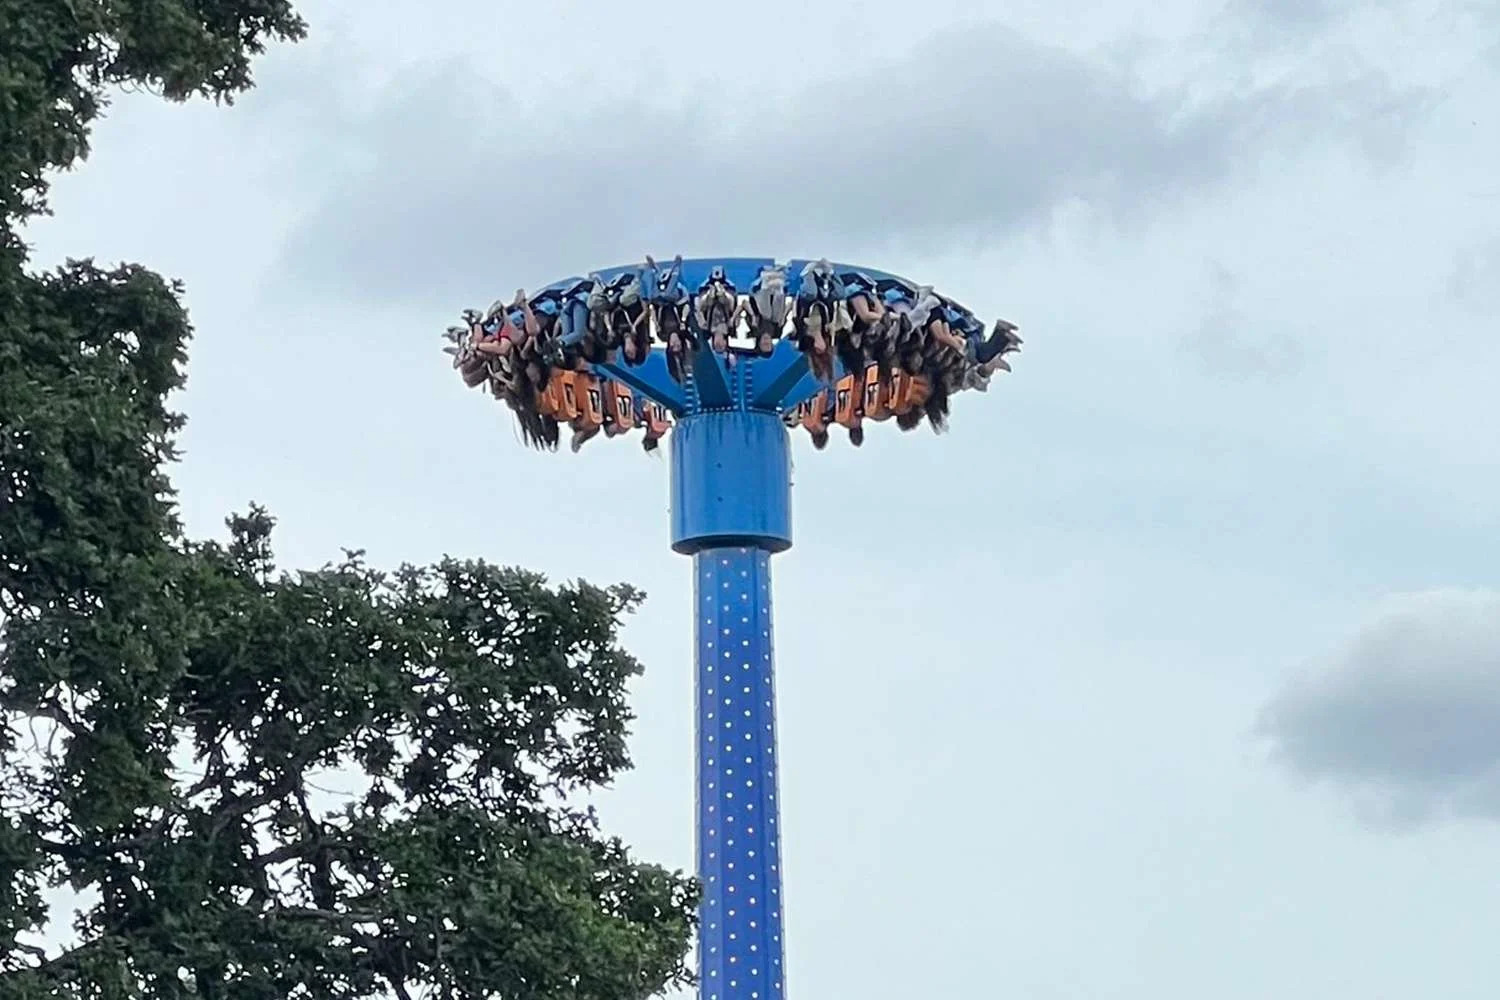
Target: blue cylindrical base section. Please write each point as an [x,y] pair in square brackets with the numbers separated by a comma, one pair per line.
[740,949]
[731,482]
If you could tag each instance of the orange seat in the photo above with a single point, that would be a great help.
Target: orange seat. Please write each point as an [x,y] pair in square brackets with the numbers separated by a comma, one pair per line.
[847,398]
[900,392]
[877,394]
[588,397]
[560,398]
[658,420]
[921,390]
[549,399]
[813,413]
[621,408]
[908,392]
[572,402]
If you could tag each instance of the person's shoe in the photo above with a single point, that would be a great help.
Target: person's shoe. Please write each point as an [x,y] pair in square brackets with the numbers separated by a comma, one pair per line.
[580,438]
[1005,333]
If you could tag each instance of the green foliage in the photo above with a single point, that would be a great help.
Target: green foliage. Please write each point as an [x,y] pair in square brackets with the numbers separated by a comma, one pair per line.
[86,359]
[175,711]
[470,701]
[59,57]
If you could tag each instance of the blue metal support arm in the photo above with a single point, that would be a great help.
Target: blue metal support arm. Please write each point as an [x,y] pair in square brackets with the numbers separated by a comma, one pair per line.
[712,379]
[777,376]
[651,380]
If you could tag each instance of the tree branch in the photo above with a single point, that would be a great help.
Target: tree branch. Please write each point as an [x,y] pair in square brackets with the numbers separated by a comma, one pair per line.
[330,916]
[63,966]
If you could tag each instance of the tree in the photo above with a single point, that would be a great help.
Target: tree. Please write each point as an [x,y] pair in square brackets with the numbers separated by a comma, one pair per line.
[175,707]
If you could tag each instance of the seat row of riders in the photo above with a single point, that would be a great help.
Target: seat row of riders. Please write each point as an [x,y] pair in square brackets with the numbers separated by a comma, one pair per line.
[904,350]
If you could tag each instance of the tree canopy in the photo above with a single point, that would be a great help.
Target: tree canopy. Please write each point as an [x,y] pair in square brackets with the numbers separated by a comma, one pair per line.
[178,711]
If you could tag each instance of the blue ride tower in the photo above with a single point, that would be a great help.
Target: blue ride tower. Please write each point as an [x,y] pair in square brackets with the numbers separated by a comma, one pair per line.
[731,486]
[730,512]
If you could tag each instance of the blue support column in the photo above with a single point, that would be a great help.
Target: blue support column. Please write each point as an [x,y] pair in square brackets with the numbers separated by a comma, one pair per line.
[740,950]
[731,481]
[731,509]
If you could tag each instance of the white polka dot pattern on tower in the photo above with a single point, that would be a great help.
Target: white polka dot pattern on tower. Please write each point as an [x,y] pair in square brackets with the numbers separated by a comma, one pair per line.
[740,948]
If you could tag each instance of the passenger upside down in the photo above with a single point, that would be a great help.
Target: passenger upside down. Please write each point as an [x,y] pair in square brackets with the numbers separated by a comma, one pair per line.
[903,350]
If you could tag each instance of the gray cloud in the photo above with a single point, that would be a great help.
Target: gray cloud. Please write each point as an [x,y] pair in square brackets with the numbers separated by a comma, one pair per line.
[1295,20]
[1406,717]
[447,185]
[1229,344]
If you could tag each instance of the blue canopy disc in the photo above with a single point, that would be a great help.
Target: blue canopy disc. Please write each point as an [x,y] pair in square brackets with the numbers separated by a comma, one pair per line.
[642,346]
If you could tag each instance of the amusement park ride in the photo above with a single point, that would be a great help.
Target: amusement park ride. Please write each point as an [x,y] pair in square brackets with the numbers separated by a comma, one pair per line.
[749,347]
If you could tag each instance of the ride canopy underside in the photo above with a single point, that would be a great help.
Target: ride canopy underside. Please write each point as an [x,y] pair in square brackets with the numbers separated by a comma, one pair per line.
[816,343]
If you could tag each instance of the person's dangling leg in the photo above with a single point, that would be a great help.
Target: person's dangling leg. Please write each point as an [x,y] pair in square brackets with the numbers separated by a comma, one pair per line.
[528,317]
[720,310]
[1002,341]
[573,320]
[997,363]
[582,434]
[498,348]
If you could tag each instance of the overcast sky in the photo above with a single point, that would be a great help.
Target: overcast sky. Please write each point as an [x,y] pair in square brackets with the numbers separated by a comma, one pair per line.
[1178,658]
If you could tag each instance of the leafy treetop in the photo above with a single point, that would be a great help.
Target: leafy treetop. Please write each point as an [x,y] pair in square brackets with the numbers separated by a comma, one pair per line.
[60,57]
[175,709]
